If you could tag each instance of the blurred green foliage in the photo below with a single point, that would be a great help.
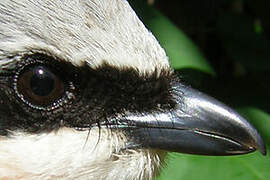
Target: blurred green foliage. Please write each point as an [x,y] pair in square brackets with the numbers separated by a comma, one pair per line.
[234,67]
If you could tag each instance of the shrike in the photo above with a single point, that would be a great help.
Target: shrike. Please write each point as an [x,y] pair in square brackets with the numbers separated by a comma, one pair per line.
[87,92]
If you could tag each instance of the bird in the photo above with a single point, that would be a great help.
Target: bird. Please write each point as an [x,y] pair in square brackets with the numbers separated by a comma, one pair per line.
[87,92]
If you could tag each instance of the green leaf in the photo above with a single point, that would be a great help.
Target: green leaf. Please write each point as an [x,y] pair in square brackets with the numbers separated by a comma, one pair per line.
[188,167]
[180,49]
[253,166]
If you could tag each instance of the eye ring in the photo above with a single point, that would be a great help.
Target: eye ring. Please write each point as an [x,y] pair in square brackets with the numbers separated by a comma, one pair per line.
[42,85]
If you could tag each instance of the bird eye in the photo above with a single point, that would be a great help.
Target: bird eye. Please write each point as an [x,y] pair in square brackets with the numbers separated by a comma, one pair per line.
[40,85]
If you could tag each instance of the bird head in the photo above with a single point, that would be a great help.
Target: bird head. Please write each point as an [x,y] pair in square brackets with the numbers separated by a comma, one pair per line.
[87,92]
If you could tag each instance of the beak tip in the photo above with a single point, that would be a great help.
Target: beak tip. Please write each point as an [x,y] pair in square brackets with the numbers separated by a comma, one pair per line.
[259,144]
[264,153]
[261,147]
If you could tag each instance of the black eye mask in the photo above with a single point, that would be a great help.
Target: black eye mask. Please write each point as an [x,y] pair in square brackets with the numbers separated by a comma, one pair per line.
[43,94]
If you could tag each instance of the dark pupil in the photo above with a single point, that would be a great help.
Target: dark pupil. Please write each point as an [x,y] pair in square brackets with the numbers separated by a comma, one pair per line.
[42,81]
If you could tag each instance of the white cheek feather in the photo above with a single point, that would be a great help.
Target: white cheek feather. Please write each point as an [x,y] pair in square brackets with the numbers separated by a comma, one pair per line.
[67,154]
[78,31]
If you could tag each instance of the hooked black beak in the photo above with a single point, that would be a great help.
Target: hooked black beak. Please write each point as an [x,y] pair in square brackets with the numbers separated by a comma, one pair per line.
[198,124]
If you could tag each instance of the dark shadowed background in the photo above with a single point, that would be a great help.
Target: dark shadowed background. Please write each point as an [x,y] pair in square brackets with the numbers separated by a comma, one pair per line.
[221,47]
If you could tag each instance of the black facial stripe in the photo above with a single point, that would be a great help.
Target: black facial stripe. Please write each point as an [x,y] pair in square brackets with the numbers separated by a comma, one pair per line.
[99,95]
